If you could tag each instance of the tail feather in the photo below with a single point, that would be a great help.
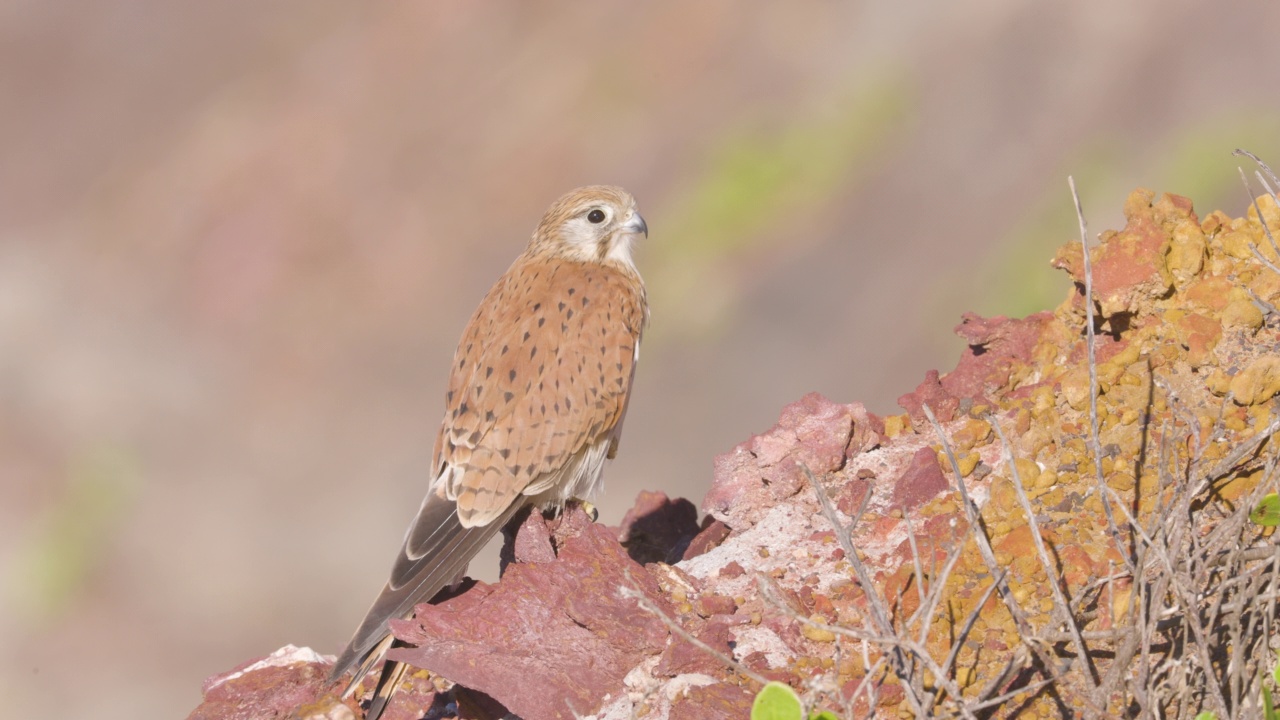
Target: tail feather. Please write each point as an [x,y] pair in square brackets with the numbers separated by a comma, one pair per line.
[364,665]
[436,552]
[392,674]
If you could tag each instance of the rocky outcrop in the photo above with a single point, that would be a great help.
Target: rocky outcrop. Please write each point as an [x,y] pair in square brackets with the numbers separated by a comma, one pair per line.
[665,617]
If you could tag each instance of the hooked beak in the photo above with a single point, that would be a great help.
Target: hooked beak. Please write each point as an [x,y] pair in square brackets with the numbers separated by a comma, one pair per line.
[636,225]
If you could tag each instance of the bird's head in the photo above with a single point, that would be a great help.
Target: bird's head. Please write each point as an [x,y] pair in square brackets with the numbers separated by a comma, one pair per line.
[597,223]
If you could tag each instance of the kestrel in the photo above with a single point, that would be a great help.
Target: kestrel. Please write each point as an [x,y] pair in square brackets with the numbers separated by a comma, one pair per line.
[537,394]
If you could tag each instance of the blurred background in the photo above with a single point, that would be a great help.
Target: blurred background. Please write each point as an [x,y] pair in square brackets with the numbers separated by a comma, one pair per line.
[239,241]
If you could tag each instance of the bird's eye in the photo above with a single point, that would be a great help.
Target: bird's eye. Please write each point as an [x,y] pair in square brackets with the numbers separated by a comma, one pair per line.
[596,216]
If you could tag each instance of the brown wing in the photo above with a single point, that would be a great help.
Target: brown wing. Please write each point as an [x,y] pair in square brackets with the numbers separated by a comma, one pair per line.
[542,372]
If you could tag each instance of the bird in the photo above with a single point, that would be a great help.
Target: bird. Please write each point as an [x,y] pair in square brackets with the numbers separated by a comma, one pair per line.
[536,399]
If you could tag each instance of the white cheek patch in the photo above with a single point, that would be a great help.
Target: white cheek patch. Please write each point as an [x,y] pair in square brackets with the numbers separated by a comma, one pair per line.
[620,251]
[579,232]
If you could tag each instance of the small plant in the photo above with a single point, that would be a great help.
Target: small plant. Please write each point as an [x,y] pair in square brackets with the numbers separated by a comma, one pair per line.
[1267,514]
[1268,704]
[777,701]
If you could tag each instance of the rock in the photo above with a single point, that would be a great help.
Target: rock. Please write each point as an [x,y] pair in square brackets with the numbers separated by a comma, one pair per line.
[657,528]
[524,641]
[766,469]
[553,638]
[290,680]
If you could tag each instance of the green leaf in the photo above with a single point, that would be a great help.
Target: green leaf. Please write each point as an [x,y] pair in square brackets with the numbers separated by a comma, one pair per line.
[1268,708]
[824,715]
[1276,673]
[1267,513]
[1206,715]
[777,702]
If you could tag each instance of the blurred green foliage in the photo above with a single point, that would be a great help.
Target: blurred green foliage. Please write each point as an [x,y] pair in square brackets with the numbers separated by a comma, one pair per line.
[1197,164]
[70,537]
[752,183]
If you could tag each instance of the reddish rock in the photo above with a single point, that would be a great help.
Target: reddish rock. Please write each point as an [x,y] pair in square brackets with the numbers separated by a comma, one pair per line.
[682,656]
[709,604]
[712,534]
[269,687]
[570,523]
[535,537]
[995,346]
[1132,259]
[891,695]
[1078,567]
[929,392]
[1201,335]
[475,705]
[1211,291]
[787,630]
[868,431]
[553,638]
[946,527]
[1128,267]
[713,702]
[526,641]
[764,470]
[732,570]
[920,482]
[415,700]
[657,528]
[528,541]
[849,496]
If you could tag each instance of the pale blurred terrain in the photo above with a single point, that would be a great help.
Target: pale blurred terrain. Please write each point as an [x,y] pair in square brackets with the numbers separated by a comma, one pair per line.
[238,242]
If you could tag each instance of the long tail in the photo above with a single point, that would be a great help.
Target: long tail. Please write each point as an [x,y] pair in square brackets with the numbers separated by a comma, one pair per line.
[392,673]
[435,553]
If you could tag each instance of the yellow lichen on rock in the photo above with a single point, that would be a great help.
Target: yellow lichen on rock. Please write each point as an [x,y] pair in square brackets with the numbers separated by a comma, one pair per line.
[973,433]
[816,633]
[1186,252]
[1075,388]
[1242,314]
[895,425]
[1258,382]
[1028,471]
[1238,242]
[1270,214]
[1211,292]
[1178,329]
[1266,286]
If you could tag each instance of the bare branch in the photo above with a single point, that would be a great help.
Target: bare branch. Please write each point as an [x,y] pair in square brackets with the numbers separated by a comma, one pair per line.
[1060,603]
[1091,343]
[631,591]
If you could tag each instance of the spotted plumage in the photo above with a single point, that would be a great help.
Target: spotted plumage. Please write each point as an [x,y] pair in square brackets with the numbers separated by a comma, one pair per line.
[537,394]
